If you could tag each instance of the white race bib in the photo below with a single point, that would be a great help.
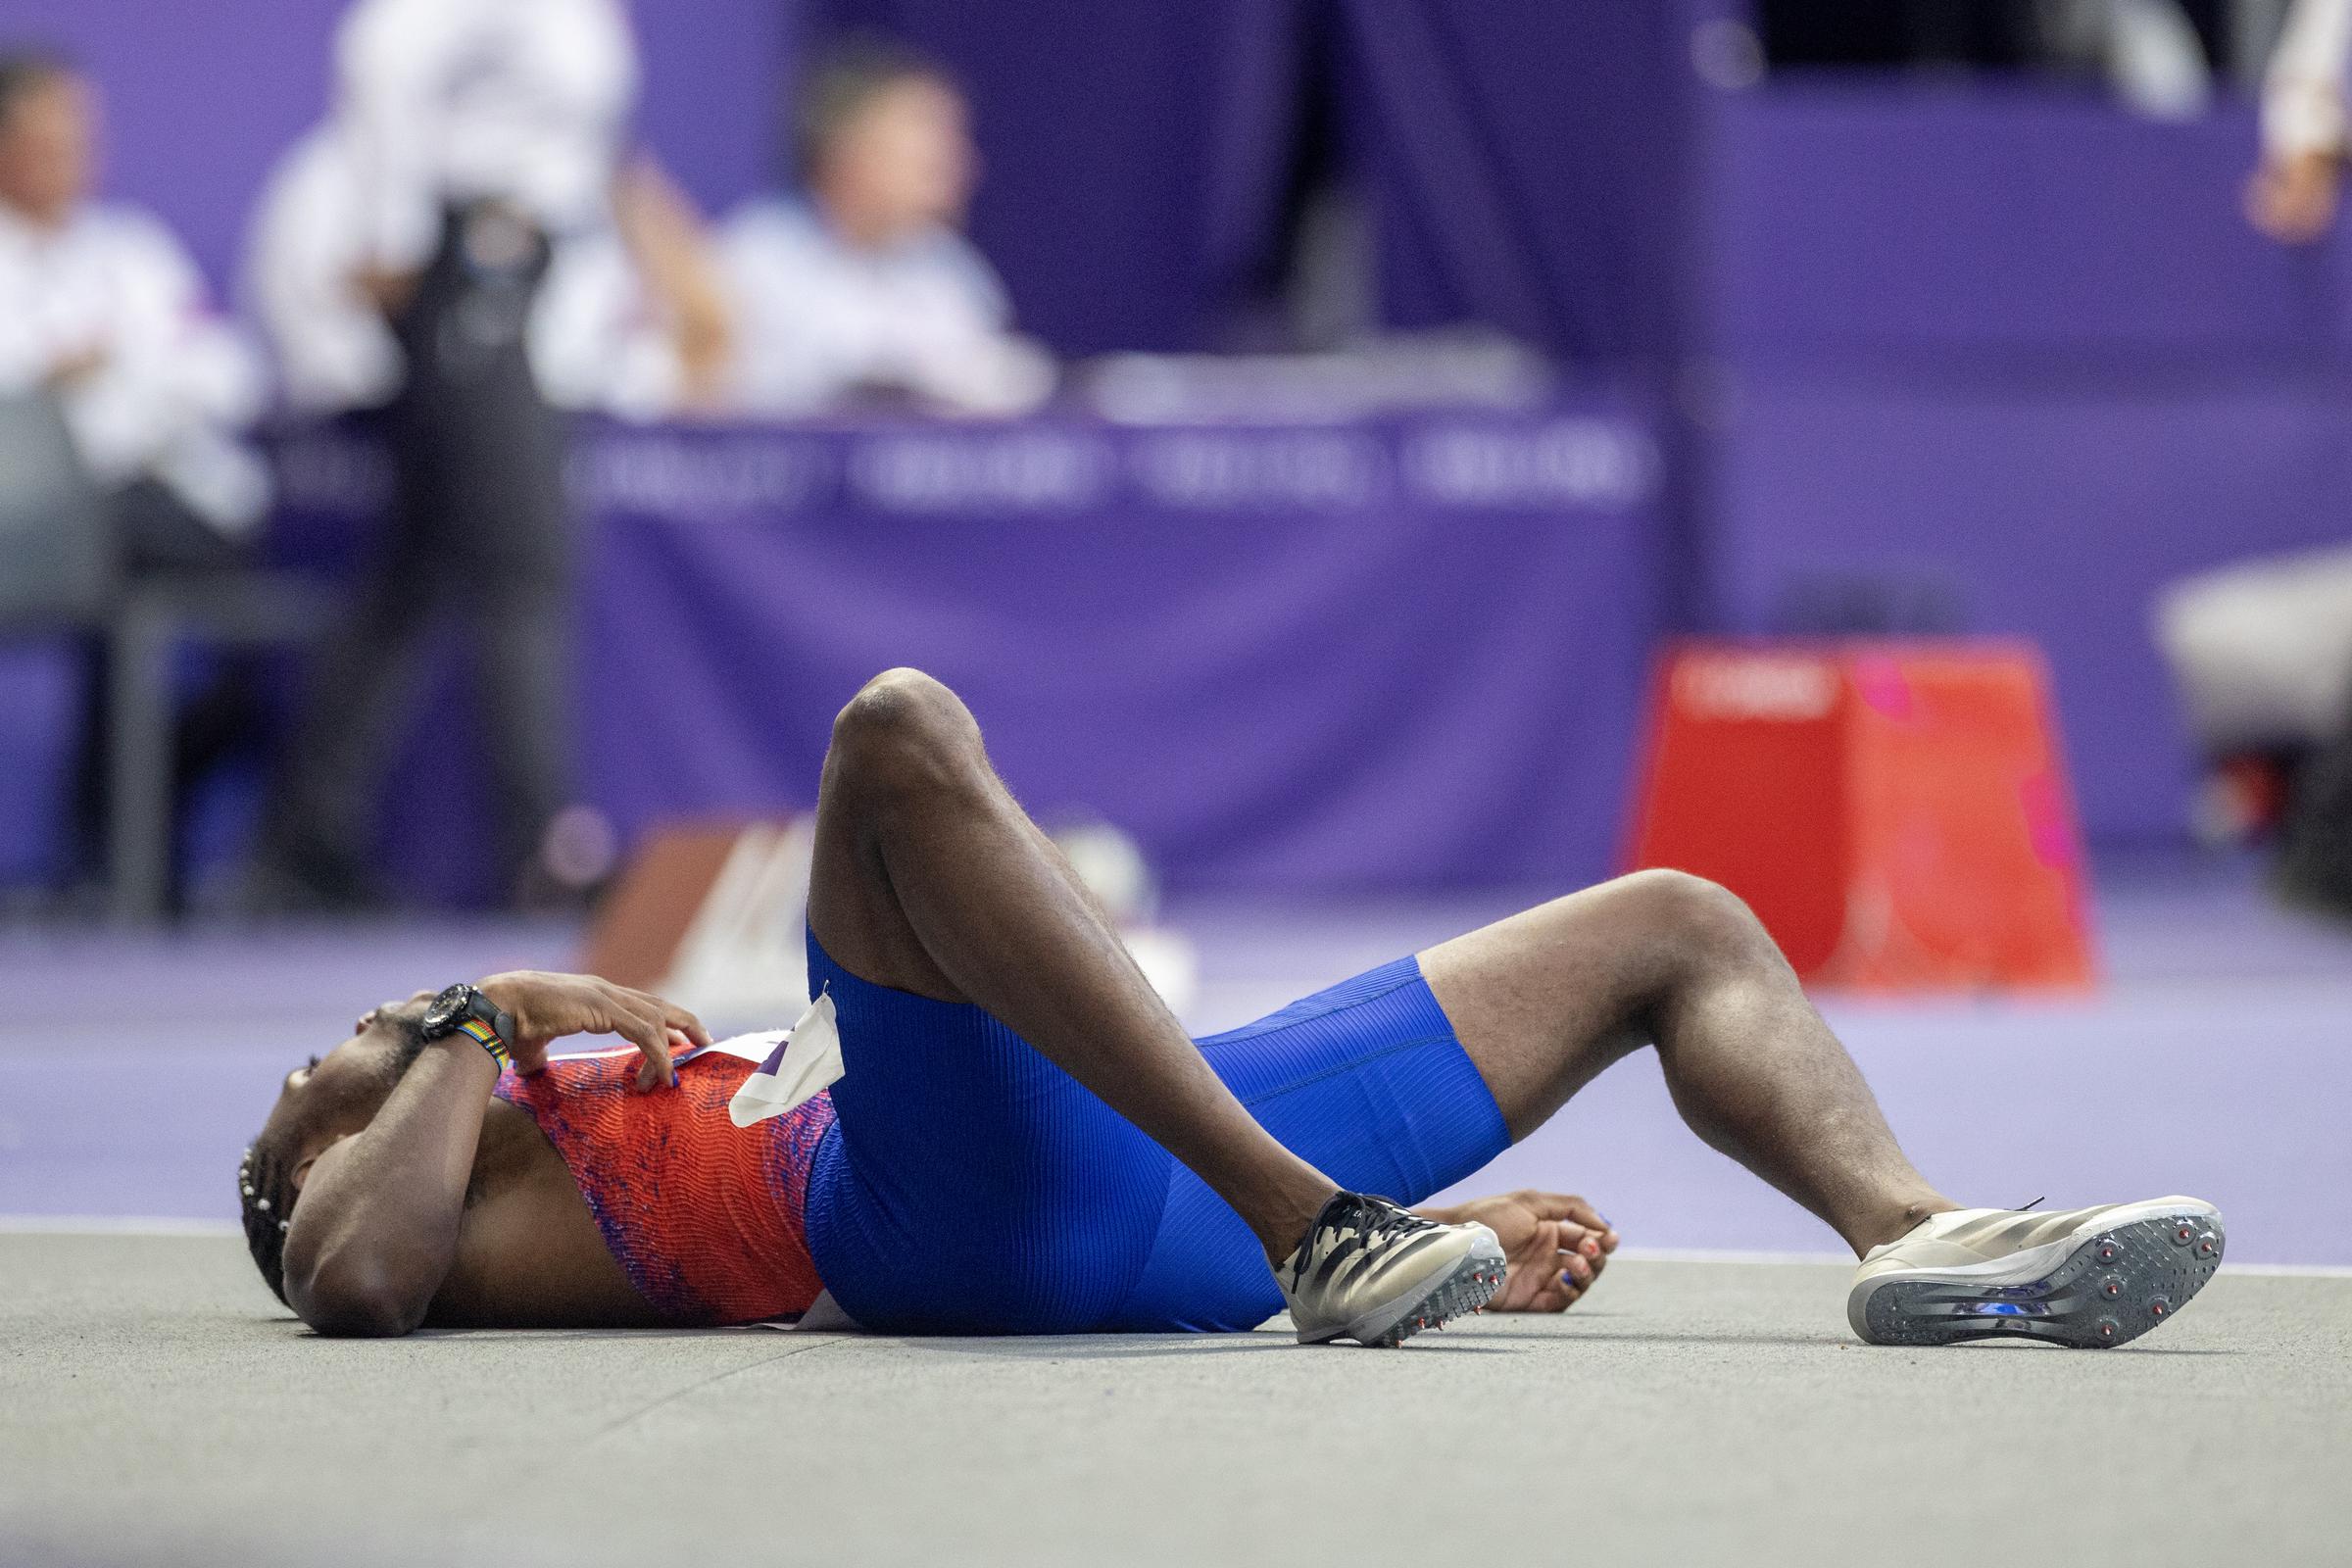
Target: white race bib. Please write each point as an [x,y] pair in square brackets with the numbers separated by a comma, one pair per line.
[803,1061]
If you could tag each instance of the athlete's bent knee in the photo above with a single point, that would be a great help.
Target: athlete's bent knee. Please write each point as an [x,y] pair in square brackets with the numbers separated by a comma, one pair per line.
[904,728]
[1702,918]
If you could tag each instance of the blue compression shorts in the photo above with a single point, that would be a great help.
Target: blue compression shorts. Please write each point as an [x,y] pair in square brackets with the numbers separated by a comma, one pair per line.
[969,1185]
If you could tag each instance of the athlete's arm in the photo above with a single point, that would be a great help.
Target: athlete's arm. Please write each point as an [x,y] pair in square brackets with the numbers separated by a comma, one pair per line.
[377,1224]
[1556,1245]
[377,1228]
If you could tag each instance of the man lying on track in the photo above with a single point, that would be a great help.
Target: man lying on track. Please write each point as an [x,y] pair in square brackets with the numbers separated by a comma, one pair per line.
[1024,1141]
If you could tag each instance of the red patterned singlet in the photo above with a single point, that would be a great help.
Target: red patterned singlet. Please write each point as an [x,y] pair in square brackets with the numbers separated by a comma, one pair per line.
[705,1216]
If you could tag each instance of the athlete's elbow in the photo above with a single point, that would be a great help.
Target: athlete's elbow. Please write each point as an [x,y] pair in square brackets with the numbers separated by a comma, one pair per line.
[358,1297]
[358,1309]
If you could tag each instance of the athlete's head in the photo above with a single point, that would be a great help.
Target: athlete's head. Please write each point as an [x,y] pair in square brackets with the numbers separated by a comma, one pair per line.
[884,143]
[322,1102]
[48,136]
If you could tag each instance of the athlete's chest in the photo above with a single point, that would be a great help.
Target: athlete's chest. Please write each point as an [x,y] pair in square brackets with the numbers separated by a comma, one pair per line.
[529,1253]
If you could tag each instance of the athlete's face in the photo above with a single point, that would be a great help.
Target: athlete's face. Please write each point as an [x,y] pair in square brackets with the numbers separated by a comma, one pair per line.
[335,1095]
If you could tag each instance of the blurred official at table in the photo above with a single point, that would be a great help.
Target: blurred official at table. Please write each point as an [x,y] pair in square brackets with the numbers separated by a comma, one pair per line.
[863,288]
[104,325]
[471,141]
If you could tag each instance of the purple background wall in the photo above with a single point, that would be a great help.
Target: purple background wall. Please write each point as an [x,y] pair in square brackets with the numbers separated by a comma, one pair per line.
[2023,350]
[1392,653]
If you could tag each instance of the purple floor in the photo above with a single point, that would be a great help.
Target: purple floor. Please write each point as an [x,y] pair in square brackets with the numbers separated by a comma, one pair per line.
[2217,1061]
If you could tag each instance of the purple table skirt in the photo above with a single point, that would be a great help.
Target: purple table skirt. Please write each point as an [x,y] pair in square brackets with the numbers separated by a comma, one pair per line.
[1393,654]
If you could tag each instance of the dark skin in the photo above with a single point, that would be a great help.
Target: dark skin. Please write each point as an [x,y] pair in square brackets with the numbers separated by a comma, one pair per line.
[929,879]
[426,1200]
[521,1248]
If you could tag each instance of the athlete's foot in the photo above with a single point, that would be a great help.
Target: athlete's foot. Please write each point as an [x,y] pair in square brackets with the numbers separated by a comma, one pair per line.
[2086,1277]
[1372,1272]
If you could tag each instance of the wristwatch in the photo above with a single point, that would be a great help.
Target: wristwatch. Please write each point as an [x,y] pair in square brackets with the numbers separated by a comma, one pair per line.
[462,1009]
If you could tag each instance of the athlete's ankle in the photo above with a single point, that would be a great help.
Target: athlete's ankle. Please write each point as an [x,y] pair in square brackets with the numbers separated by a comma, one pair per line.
[1282,1225]
[1898,1220]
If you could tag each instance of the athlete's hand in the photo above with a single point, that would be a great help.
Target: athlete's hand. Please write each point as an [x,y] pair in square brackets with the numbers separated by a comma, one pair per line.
[546,1007]
[1556,1246]
[2292,198]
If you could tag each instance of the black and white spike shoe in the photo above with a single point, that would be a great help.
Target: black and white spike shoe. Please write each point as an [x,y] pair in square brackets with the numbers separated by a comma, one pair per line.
[2088,1278]
[1372,1272]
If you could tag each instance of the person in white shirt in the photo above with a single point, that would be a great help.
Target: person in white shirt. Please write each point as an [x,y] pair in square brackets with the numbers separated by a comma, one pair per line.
[451,102]
[867,287]
[479,138]
[104,317]
[102,308]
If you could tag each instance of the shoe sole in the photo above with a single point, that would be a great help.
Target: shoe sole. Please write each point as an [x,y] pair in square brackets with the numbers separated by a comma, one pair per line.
[1469,1285]
[2090,1292]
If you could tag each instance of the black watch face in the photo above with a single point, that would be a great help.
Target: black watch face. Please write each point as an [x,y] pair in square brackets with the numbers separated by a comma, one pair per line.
[445,1010]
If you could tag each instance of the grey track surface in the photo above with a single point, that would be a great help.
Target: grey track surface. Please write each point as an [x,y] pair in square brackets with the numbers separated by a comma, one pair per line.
[155,1408]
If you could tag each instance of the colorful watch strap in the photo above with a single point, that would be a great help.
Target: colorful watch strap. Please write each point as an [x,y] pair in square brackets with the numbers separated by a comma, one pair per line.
[480,1031]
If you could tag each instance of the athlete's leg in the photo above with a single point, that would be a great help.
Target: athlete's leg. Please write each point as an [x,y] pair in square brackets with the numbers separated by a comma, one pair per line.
[1546,999]
[929,879]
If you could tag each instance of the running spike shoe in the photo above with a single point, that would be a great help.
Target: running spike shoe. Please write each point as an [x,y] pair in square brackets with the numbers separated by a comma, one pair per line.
[2089,1278]
[1372,1272]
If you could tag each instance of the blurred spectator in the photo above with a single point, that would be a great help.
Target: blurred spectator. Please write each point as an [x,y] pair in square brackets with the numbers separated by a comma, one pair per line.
[2150,52]
[866,287]
[104,310]
[103,315]
[479,135]
[2292,197]
[629,322]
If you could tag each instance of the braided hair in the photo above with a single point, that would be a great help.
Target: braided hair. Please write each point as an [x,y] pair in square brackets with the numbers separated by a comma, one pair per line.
[265,1193]
[265,1190]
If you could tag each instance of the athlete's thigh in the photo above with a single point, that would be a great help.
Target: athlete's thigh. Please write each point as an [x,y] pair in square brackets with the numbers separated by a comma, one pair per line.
[851,910]
[1544,1001]
[970,1186]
